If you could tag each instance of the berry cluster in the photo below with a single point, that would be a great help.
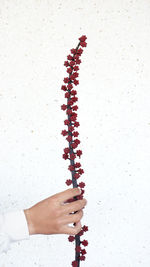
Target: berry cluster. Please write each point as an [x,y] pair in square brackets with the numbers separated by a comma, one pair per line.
[72,123]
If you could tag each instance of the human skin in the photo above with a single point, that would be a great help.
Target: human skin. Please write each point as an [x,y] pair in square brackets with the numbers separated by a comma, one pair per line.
[53,214]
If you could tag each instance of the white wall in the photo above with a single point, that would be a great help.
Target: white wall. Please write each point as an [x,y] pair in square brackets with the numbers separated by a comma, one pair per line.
[114,116]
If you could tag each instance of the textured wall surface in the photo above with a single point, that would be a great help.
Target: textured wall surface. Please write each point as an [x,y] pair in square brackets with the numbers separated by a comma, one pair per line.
[114,116]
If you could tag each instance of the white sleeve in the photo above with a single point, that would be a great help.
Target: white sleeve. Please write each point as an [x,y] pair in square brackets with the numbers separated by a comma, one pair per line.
[13,227]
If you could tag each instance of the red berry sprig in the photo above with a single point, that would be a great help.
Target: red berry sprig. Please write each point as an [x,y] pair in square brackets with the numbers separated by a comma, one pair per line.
[72,138]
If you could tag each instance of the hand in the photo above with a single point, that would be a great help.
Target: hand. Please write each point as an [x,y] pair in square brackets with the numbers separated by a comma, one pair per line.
[51,215]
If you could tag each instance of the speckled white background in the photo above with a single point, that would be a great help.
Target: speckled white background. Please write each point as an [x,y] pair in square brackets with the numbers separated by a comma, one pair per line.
[114,116]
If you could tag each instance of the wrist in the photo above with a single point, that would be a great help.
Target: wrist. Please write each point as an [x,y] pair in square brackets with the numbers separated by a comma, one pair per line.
[31,226]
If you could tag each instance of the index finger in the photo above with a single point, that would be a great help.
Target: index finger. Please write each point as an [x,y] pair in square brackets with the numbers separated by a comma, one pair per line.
[67,194]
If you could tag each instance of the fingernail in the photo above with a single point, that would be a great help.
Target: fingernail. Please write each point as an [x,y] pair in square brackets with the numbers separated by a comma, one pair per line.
[80,190]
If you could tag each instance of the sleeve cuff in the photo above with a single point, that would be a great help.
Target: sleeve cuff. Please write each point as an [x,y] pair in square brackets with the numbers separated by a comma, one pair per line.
[15,225]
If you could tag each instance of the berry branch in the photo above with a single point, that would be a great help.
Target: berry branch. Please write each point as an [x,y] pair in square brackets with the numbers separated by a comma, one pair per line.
[69,153]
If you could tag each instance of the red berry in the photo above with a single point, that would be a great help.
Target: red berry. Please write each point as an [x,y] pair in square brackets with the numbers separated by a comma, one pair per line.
[84,242]
[68,182]
[71,238]
[74,263]
[85,228]
[82,258]
[82,185]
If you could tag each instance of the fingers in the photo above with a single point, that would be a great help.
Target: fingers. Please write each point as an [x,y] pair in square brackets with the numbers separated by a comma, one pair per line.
[70,230]
[67,194]
[74,206]
[72,218]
